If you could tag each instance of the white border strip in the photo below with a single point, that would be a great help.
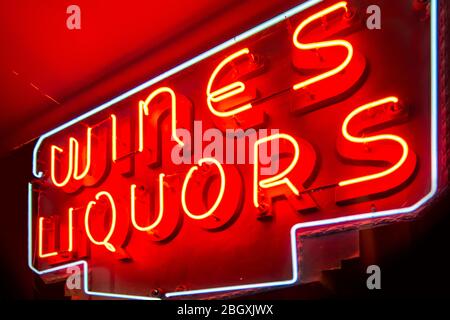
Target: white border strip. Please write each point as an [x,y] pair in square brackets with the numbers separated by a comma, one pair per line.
[293,232]
[364,216]
[83,263]
[162,76]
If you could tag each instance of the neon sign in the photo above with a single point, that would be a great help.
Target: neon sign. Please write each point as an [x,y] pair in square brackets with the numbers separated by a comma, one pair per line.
[346,149]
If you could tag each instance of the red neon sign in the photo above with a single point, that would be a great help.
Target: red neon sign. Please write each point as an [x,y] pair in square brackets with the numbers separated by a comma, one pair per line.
[198,183]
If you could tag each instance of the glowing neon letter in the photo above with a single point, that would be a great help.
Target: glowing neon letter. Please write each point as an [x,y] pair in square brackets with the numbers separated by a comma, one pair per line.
[278,179]
[41,254]
[76,175]
[380,137]
[143,110]
[161,206]
[227,91]
[105,242]
[219,197]
[70,230]
[323,44]
[53,165]
[72,160]
[113,138]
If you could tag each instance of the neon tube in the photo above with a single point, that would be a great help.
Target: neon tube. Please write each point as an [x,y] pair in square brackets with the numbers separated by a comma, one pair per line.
[161,206]
[293,234]
[278,179]
[380,137]
[105,241]
[76,175]
[324,44]
[143,110]
[113,138]
[219,197]
[41,254]
[227,91]
[53,169]
[70,230]
[245,35]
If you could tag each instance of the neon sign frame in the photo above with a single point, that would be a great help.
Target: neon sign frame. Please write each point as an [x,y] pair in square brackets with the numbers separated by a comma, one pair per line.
[295,274]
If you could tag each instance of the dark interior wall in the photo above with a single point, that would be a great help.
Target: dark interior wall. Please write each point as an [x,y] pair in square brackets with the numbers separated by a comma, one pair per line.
[16,279]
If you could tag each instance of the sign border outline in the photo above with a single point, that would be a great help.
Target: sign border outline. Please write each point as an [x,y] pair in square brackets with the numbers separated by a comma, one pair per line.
[293,232]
